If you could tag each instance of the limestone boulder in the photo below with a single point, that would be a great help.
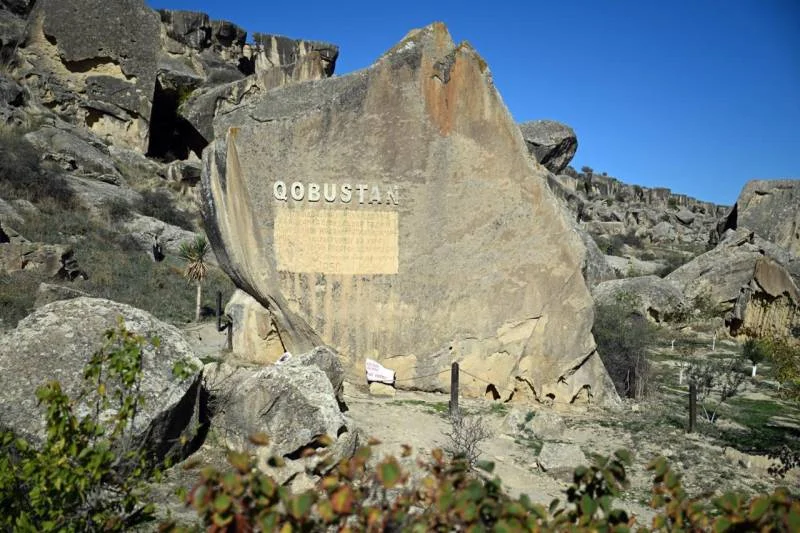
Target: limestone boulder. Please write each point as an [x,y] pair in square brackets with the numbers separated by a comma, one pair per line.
[51,292]
[57,340]
[53,260]
[294,405]
[394,214]
[551,143]
[560,459]
[654,297]
[630,266]
[770,209]
[102,76]
[74,154]
[547,425]
[752,280]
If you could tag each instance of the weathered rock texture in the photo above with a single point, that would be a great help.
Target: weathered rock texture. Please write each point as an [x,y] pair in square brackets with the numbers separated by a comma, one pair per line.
[770,208]
[653,297]
[552,144]
[294,404]
[414,228]
[56,341]
[102,76]
[747,277]
[254,336]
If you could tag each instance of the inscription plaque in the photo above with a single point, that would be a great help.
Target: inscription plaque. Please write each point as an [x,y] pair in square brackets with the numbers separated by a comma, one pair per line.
[330,241]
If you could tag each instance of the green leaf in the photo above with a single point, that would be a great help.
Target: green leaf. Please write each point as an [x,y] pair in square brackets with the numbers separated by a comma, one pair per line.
[588,505]
[758,507]
[722,524]
[389,474]
[222,503]
[300,505]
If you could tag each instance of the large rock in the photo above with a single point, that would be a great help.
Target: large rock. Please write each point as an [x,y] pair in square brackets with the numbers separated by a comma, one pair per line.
[294,405]
[552,144]
[771,208]
[56,341]
[394,214]
[753,280]
[653,297]
[560,459]
[102,75]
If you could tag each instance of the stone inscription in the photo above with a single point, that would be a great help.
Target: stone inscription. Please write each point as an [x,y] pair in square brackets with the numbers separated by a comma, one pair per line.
[361,193]
[332,241]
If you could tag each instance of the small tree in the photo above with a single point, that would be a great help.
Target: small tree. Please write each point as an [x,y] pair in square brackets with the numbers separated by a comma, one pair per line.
[754,351]
[622,336]
[195,253]
[784,355]
[465,436]
[713,378]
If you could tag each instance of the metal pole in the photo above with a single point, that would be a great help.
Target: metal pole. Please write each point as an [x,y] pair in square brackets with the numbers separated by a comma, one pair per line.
[454,390]
[692,407]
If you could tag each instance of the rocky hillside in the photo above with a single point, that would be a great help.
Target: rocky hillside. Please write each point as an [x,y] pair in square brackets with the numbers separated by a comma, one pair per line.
[101,137]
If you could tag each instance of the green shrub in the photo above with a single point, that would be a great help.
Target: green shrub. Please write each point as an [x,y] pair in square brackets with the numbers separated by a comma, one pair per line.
[22,175]
[622,336]
[784,354]
[158,204]
[353,497]
[88,474]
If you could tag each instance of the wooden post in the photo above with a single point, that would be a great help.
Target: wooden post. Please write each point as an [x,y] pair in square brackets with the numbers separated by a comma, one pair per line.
[692,406]
[219,311]
[454,390]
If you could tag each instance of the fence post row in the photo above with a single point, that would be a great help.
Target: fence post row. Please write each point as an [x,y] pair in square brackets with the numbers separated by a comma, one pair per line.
[692,406]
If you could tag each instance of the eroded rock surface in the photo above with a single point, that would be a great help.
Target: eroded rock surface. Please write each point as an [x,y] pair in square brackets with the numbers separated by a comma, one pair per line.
[770,208]
[552,144]
[57,340]
[394,214]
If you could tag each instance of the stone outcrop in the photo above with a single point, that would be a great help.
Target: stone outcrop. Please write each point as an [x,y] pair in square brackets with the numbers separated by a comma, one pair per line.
[57,340]
[394,214]
[607,207]
[53,260]
[552,144]
[653,297]
[769,305]
[770,208]
[103,76]
[295,405]
[748,278]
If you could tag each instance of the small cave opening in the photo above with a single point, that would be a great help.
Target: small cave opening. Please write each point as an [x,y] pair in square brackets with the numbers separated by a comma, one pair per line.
[172,137]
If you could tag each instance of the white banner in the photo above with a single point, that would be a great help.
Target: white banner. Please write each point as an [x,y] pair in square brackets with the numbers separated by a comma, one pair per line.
[376,372]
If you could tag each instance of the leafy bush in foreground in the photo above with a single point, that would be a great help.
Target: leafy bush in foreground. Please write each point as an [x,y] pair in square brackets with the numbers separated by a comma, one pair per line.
[88,474]
[354,497]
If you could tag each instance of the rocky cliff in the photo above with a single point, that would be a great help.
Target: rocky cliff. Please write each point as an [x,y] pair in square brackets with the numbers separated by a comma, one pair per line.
[393,214]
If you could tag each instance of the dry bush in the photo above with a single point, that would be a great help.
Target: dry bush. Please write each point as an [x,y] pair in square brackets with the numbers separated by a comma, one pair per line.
[466,434]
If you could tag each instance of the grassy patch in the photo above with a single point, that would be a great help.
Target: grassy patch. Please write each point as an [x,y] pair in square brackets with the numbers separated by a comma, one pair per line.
[435,408]
[117,271]
[759,436]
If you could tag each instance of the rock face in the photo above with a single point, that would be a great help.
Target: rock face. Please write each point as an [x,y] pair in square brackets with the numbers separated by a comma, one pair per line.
[293,404]
[102,76]
[552,144]
[770,208]
[655,298]
[751,279]
[394,214]
[57,340]
[254,336]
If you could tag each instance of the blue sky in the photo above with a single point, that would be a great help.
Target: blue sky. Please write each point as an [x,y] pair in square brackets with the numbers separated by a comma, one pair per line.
[698,96]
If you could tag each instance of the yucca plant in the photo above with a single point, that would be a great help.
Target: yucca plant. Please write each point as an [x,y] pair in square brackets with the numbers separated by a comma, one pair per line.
[195,252]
